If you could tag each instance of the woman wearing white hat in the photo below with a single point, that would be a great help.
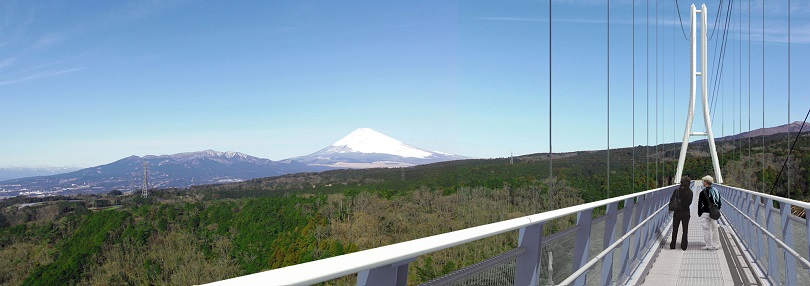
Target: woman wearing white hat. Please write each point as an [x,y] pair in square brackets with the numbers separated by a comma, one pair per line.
[708,197]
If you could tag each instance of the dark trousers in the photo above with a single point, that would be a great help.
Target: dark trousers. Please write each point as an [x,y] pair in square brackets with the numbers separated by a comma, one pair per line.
[680,218]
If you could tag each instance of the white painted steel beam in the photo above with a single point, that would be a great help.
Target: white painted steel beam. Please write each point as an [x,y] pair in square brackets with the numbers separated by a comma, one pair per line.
[718,176]
[693,74]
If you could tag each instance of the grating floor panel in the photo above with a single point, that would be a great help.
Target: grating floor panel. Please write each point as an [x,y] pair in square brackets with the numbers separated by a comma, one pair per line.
[695,266]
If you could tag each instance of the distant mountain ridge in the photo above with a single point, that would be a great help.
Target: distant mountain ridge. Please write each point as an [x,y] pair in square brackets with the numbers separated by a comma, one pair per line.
[363,148]
[10,173]
[367,148]
[793,128]
[165,171]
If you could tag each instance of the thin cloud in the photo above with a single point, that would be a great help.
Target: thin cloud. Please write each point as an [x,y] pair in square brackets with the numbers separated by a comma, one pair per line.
[40,76]
[6,62]
[558,20]
[800,32]
[145,8]
[49,39]
[511,19]
[40,66]
[393,27]
[15,24]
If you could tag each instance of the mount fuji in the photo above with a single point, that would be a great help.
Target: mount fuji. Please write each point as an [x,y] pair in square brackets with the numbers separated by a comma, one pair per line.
[367,148]
[363,148]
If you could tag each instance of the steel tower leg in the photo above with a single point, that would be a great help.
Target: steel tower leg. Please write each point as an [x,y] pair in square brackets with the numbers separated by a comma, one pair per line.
[693,74]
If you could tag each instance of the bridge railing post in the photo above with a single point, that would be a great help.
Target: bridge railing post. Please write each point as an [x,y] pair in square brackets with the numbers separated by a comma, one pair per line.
[609,238]
[582,242]
[624,256]
[773,272]
[745,227]
[787,238]
[738,200]
[741,222]
[651,227]
[748,228]
[759,245]
[807,229]
[527,266]
[730,198]
[395,274]
[648,206]
[661,217]
[641,236]
[657,217]
[753,236]
[637,237]
[663,199]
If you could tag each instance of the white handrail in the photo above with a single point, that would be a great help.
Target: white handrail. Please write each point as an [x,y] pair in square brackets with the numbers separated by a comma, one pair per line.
[339,266]
[778,241]
[582,270]
[800,204]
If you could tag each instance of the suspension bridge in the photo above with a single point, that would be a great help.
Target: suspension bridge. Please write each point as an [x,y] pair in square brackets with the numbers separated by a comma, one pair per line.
[616,241]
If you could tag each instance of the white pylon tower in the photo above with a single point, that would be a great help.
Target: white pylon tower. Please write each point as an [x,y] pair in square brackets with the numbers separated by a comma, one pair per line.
[693,74]
[145,186]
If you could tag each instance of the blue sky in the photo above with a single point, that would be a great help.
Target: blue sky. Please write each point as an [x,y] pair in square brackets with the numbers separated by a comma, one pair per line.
[86,83]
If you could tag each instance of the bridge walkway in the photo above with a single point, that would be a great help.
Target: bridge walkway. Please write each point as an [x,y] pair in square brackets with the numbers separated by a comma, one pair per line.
[695,266]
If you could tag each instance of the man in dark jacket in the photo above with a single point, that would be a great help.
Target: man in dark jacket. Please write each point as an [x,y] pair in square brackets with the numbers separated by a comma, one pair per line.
[681,216]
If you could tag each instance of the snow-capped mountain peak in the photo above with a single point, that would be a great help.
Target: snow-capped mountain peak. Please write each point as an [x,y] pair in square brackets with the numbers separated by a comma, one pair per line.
[367,140]
[367,148]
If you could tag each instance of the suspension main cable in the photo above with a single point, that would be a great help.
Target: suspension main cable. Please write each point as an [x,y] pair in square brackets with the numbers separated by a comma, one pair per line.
[790,148]
[677,7]
[716,17]
[718,76]
[674,124]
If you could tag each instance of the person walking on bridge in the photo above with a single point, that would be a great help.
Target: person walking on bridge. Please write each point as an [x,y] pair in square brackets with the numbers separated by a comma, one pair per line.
[681,214]
[708,198]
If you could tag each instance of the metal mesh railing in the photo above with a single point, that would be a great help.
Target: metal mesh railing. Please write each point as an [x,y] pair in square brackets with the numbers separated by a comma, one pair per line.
[759,223]
[498,270]
[800,243]
[648,231]
[558,250]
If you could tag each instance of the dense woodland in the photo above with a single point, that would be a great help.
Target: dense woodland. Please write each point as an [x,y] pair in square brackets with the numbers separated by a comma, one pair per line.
[209,233]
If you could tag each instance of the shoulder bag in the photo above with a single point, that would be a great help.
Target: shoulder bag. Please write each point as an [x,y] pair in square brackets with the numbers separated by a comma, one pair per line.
[675,200]
[714,212]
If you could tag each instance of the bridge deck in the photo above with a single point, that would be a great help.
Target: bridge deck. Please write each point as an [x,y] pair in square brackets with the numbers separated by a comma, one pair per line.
[697,266]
